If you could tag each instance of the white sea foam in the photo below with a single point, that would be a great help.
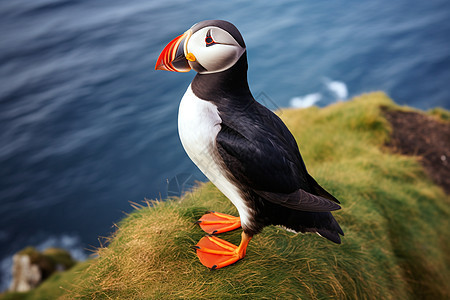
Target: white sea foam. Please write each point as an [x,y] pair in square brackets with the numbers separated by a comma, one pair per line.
[338,88]
[305,101]
[331,91]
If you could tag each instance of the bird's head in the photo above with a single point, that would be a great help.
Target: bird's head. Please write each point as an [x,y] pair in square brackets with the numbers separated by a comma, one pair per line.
[207,47]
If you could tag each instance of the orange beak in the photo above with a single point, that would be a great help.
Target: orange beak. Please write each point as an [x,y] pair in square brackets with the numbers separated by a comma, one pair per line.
[173,57]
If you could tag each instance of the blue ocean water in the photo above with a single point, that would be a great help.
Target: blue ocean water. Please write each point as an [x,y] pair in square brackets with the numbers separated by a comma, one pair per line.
[87,125]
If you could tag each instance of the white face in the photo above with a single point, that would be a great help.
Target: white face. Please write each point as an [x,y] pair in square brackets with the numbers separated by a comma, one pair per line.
[214,49]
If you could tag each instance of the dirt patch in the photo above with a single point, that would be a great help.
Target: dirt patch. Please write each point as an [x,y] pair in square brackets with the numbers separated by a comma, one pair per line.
[426,137]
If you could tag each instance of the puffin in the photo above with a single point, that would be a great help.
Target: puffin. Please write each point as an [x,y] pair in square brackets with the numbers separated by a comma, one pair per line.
[241,146]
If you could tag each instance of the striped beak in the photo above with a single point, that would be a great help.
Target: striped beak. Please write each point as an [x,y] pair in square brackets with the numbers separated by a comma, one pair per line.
[173,57]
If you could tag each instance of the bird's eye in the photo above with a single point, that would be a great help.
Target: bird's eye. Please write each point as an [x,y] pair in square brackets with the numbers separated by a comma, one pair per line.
[209,40]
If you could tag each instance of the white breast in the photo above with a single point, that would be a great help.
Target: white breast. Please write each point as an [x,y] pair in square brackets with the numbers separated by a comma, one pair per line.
[198,125]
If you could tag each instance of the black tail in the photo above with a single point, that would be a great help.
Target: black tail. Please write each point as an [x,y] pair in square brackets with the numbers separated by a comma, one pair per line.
[332,232]
[320,191]
[304,221]
[332,229]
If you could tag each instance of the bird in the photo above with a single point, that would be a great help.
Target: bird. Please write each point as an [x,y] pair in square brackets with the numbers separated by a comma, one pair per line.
[241,146]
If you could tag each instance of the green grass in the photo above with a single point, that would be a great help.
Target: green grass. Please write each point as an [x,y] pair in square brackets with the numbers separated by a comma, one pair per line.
[396,243]
[440,113]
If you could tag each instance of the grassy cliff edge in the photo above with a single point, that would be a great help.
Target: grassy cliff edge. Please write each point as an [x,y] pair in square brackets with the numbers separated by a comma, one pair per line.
[396,243]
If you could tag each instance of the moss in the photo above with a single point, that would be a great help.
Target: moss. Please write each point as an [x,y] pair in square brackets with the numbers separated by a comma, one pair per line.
[59,257]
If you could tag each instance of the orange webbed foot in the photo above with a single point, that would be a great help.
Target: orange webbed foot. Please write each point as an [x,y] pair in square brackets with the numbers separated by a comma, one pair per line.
[216,253]
[214,222]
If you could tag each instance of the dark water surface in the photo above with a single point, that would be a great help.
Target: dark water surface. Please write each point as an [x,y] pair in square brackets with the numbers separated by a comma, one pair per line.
[88,125]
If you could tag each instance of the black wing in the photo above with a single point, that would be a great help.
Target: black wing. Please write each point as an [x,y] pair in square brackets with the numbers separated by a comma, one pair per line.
[262,155]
